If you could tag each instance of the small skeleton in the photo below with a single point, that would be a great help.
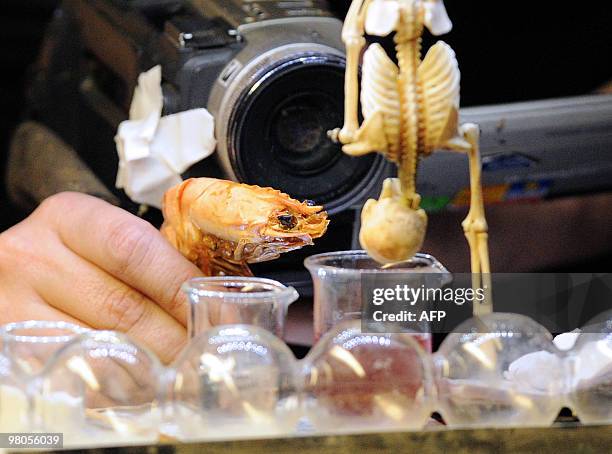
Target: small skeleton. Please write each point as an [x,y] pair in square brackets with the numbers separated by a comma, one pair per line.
[409,111]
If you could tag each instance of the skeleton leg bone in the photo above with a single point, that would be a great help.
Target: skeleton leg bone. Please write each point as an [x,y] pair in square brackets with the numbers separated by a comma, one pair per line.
[353,37]
[475,224]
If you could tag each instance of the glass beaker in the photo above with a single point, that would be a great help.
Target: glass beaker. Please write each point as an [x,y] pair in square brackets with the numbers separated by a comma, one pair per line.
[229,300]
[337,285]
[27,348]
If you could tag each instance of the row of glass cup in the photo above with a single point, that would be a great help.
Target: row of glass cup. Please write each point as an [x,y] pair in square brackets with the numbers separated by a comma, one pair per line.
[237,381]
[240,380]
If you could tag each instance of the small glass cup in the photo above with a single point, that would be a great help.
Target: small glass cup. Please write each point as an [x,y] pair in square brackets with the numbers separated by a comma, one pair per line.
[499,370]
[113,386]
[337,285]
[27,348]
[233,381]
[590,371]
[231,300]
[367,382]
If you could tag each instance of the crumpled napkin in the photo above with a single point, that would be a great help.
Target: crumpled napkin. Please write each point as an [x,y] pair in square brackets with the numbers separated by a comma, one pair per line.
[536,370]
[154,150]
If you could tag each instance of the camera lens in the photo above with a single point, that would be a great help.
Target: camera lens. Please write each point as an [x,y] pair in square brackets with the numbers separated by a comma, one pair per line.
[279,134]
[298,134]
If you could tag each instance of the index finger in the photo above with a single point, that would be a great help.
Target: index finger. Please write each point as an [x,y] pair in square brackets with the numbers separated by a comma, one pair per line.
[123,245]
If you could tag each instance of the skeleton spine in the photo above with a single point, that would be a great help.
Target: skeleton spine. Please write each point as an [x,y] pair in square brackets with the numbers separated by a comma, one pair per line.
[408,49]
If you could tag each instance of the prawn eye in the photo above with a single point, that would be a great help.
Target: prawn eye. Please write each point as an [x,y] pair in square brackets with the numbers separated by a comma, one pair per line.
[288,221]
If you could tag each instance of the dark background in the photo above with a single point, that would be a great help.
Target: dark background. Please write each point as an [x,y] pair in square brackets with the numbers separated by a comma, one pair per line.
[508,51]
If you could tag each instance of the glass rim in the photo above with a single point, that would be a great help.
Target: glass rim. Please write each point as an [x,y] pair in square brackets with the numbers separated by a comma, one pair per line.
[279,290]
[317,262]
[7,334]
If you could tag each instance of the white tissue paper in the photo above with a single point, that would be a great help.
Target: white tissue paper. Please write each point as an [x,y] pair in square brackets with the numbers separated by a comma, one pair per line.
[594,360]
[566,341]
[154,150]
[534,371]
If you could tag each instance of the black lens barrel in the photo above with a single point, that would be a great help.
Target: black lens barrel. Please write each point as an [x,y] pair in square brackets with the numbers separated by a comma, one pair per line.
[278,134]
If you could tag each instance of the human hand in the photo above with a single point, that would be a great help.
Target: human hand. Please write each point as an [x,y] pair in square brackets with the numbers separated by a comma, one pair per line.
[82,260]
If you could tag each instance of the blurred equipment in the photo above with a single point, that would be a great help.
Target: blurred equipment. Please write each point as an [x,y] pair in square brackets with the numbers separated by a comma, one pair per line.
[38,155]
[271,74]
[531,150]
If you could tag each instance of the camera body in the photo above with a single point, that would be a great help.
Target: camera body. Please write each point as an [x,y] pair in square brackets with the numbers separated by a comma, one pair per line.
[271,73]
